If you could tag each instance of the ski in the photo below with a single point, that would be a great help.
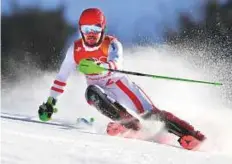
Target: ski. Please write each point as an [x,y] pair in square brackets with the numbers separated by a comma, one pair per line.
[78,125]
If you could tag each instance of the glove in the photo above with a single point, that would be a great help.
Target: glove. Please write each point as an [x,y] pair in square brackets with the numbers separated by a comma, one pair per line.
[88,66]
[47,109]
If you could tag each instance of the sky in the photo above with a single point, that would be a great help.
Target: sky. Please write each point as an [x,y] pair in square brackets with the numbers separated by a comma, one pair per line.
[128,18]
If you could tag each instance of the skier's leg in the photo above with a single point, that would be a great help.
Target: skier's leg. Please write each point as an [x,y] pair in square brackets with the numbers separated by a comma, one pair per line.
[130,94]
[108,106]
[189,138]
[174,124]
[123,91]
[96,96]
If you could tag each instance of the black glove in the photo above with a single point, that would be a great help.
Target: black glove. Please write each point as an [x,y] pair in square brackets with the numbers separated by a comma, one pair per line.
[47,109]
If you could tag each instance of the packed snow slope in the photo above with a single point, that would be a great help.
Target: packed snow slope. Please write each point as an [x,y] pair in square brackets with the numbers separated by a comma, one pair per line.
[26,143]
[204,106]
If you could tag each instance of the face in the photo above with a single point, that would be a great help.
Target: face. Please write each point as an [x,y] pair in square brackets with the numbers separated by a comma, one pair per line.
[92,38]
[91,33]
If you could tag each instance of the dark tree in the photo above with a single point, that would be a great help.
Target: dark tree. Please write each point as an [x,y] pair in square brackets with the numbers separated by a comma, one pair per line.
[32,36]
[214,32]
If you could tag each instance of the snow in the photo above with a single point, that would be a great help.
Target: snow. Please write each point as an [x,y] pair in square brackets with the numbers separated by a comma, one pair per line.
[24,142]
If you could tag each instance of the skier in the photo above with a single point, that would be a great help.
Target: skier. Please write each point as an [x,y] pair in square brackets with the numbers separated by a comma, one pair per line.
[113,94]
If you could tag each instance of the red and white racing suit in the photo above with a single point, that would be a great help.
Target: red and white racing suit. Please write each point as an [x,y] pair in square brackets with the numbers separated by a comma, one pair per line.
[116,85]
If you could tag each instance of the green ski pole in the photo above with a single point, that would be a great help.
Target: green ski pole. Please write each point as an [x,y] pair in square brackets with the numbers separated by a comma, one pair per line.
[164,77]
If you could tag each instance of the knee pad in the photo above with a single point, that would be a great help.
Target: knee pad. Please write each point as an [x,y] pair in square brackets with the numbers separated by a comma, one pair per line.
[97,97]
[92,92]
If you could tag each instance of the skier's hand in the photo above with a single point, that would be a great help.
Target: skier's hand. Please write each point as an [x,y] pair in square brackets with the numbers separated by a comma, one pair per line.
[47,109]
[88,66]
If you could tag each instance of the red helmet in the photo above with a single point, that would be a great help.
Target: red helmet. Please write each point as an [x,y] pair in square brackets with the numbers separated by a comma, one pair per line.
[92,16]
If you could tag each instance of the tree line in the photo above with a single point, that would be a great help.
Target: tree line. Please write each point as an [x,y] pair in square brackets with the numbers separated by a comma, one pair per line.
[214,32]
[37,37]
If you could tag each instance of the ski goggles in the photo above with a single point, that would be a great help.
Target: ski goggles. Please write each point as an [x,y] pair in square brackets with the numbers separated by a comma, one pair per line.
[91,28]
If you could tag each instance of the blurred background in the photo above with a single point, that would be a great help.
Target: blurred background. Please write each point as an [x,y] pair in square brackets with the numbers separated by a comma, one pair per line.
[36,34]
[180,38]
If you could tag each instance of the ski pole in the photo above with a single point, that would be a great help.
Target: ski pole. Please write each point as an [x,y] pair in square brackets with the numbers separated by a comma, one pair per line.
[89,66]
[163,77]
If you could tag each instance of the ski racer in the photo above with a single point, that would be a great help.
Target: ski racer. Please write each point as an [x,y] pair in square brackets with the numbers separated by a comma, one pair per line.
[113,94]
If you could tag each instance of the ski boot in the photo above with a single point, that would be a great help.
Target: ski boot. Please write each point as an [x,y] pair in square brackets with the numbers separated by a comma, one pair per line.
[189,138]
[191,142]
[119,128]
